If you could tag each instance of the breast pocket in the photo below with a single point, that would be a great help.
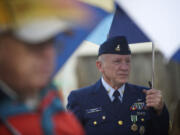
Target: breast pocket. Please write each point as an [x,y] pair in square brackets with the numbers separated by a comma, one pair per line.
[95,119]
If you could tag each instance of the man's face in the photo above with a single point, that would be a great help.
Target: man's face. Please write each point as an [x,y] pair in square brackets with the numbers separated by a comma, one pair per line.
[26,66]
[115,68]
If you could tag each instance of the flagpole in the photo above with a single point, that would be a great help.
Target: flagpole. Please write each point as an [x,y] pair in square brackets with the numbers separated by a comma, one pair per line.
[153,64]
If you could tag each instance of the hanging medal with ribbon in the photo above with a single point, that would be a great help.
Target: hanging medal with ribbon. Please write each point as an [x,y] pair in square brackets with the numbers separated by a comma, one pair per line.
[134,126]
[142,130]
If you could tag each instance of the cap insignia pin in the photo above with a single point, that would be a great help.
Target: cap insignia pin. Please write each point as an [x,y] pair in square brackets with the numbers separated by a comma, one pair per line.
[117,48]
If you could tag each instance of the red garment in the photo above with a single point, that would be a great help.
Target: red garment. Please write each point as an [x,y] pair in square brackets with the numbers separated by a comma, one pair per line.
[30,124]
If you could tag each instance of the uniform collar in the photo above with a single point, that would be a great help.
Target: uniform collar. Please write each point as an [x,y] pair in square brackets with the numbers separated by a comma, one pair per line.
[111,90]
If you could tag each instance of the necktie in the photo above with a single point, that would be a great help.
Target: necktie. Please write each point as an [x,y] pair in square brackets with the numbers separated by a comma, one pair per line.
[116,95]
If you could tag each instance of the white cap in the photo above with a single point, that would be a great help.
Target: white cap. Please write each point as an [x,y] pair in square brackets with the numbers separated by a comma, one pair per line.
[34,21]
[40,30]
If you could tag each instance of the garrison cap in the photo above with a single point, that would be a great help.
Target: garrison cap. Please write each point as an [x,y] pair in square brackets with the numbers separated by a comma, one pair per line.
[115,45]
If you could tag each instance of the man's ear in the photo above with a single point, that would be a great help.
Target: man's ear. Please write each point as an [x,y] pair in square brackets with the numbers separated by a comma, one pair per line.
[99,65]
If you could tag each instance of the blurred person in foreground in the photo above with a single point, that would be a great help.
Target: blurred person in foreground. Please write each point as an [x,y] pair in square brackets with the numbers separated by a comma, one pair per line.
[29,102]
[112,106]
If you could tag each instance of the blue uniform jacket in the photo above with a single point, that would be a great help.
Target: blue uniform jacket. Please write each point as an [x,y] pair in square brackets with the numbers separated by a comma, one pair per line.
[97,114]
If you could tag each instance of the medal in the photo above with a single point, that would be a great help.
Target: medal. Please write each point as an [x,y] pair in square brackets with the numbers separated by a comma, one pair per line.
[141,113]
[134,127]
[133,108]
[134,118]
[142,130]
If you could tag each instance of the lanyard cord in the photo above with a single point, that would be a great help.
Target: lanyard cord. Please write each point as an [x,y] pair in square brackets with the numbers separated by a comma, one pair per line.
[9,127]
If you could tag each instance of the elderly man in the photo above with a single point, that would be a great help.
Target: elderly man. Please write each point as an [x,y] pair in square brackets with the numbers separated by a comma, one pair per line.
[112,106]
[29,102]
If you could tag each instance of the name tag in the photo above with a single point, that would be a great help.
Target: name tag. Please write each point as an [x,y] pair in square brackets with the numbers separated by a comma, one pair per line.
[93,110]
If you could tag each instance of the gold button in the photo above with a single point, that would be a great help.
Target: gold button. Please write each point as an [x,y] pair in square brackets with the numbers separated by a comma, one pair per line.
[142,119]
[103,117]
[120,122]
[95,122]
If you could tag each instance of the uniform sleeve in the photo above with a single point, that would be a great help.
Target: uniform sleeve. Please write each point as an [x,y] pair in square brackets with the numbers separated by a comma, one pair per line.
[75,106]
[158,124]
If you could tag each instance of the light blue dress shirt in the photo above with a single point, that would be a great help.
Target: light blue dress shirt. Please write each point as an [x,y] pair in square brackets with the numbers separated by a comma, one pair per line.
[111,90]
